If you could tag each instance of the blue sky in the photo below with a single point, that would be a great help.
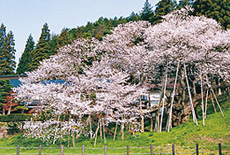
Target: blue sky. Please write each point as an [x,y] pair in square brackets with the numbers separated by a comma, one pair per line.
[25,17]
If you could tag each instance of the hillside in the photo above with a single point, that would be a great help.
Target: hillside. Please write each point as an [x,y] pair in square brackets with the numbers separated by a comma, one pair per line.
[185,137]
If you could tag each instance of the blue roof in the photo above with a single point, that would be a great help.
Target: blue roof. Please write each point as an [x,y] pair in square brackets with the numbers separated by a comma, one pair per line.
[16,83]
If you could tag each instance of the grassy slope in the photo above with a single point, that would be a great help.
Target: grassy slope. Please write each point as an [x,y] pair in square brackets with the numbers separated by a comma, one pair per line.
[217,130]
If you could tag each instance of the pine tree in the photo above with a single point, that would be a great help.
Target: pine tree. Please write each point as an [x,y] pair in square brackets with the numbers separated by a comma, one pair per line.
[7,63]
[43,48]
[133,17]
[216,9]
[63,39]
[163,7]
[54,44]
[147,12]
[7,52]
[26,57]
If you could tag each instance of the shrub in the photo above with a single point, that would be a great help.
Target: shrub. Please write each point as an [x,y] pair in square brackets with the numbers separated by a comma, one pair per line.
[15,117]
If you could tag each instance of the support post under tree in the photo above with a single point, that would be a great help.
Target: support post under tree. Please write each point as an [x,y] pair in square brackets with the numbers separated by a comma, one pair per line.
[173,95]
[202,98]
[190,96]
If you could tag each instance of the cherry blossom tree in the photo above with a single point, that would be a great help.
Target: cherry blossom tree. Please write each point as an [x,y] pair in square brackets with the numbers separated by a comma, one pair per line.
[113,101]
[102,81]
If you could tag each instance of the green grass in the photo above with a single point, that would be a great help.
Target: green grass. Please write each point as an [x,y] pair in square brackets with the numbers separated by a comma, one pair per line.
[216,130]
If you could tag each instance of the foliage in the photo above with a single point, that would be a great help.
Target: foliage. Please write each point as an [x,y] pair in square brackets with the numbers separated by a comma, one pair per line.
[184,3]
[7,51]
[216,9]
[146,12]
[26,57]
[5,87]
[163,7]
[12,128]
[9,103]
[15,117]
[43,48]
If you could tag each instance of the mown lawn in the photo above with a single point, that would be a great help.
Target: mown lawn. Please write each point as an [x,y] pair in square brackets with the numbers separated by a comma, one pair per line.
[185,137]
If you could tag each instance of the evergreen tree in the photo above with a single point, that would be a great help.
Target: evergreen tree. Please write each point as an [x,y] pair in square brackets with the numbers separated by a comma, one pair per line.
[133,17]
[7,63]
[43,48]
[26,57]
[7,52]
[63,39]
[146,12]
[54,44]
[216,9]
[163,7]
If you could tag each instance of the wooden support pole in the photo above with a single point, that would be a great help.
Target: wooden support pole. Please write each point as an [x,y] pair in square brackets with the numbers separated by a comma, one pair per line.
[83,150]
[217,102]
[40,150]
[62,150]
[197,149]
[18,150]
[173,95]
[220,153]
[127,149]
[151,149]
[173,149]
[105,150]
[206,105]
[190,96]
[202,98]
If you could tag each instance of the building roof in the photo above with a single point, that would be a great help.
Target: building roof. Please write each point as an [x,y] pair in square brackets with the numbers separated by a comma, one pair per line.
[9,77]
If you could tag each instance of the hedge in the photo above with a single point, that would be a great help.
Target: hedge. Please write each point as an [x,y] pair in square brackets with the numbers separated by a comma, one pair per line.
[15,117]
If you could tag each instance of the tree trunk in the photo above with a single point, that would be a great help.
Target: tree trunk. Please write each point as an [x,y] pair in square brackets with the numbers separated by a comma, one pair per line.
[90,127]
[98,126]
[164,96]
[8,113]
[122,128]
[56,129]
[104,131]
[219,89]
[157,118]
[115,132]
[73,138]
[151,123]
[100,130]
[206,105]
[142,123]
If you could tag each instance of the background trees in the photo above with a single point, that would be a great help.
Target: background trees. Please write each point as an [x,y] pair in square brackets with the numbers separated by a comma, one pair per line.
[7,62]
[26,57]
[216,9]
[43,48]
[7,52]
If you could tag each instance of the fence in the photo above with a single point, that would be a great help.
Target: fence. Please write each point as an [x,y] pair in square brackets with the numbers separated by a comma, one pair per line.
[171,149]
